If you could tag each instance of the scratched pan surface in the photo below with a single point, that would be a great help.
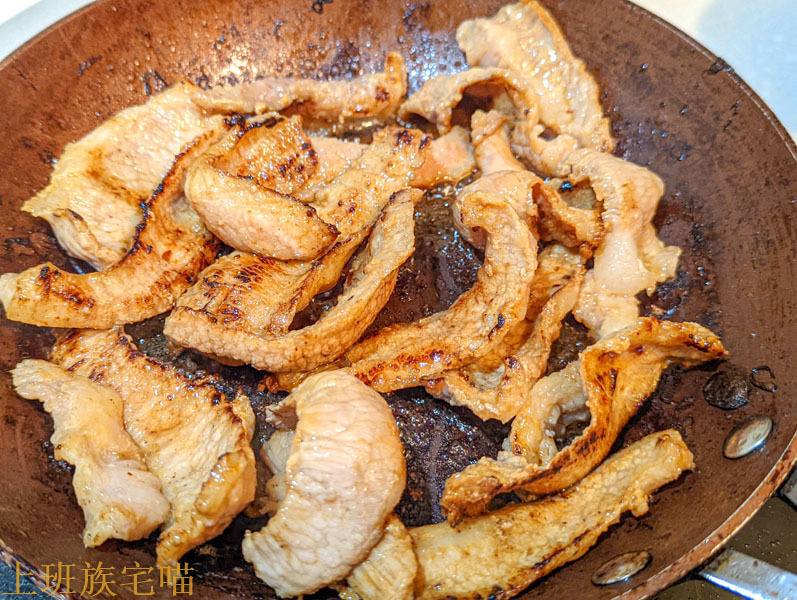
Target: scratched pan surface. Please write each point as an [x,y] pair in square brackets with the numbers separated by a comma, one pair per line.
[731,181]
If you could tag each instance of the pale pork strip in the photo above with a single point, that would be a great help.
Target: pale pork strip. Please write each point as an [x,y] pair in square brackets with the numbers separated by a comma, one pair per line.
[343,477]
[120,498]
[193,438]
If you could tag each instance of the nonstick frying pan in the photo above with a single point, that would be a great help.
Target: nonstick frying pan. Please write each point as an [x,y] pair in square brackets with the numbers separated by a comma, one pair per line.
[728,165]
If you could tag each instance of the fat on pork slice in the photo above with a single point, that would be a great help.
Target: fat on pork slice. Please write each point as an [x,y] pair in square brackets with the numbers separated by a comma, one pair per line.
[344,475]
[119,496]
[194,439]
[617,375]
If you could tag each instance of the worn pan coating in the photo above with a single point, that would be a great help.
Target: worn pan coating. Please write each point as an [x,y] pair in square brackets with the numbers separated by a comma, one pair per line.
[731,183]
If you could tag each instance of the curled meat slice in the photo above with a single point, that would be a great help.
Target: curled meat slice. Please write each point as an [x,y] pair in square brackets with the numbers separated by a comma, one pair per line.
[171,247]
[388,573]
[490,132]
[120,498]
[630,258]
[524,38]
[240,187]
[367,289]
[439,96]
[93,201]
[503,552]
[497,385]
[194,439]
[374,95]
[515,187]
[401,356]
[344,476]
[618,374]
[532,436]
[256,295]
[450,158]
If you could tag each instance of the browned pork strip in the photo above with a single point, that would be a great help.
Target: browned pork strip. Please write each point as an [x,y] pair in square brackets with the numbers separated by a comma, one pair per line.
[171,247]
[250,296]
[368,288]
[618,374]
[497,385]
[242,186]
[501,553]
[94,196]
[524,38]
[93,201]
[374,95]
[194,439]
[401,356]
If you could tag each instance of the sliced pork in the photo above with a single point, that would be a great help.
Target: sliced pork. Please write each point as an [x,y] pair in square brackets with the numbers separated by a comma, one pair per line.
[242,186]
[343,477]
[194,439]
[401,356]
[170,249]
[617,375]
[525,39]
[120,498]
[496,386]
[368,287]
[512,547]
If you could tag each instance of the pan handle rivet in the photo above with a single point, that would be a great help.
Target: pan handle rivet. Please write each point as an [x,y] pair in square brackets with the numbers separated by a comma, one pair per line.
[747,437]
[621,568]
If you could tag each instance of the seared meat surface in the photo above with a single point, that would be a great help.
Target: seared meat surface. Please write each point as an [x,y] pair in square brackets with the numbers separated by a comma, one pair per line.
[496,386]
[617,374]
[99,182]
[368,287]
[244,298]
[243,188]
[374,95]
[120,498]
[344,475]
[401,356]
[194,439]
[171,247]
[504,551]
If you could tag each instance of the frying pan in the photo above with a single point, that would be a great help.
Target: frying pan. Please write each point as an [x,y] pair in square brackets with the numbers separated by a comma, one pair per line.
[729,168]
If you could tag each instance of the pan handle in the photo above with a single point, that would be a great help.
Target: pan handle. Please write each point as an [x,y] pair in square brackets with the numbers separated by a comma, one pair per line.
[750,577]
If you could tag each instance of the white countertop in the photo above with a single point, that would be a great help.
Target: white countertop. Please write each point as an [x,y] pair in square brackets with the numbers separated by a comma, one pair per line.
[758,39]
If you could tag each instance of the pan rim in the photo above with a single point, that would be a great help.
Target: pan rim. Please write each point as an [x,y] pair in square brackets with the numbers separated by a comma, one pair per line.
[713,543]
